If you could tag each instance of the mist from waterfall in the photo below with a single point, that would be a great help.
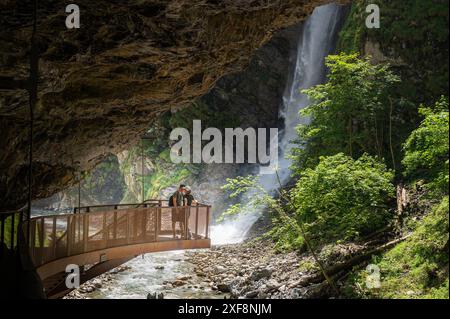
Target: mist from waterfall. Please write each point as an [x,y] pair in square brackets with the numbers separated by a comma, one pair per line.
[317,40]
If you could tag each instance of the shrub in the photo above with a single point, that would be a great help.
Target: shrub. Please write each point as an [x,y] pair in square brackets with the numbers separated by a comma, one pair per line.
[426,150]
[342,198]
[417,267]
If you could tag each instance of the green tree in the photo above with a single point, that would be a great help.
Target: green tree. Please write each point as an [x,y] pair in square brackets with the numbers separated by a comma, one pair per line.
[426,150]
[351,113]
[342,198]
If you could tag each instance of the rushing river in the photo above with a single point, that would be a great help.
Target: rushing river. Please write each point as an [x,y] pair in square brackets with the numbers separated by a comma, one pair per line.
[151,273]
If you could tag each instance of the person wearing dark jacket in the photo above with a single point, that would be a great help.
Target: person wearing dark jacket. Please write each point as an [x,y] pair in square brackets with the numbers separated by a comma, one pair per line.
[178,215]
[189,199]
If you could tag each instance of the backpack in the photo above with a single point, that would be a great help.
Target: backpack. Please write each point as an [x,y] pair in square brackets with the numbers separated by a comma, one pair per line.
[171,200]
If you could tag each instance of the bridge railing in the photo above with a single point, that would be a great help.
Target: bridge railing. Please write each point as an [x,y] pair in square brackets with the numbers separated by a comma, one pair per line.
[101,227]
[147,203]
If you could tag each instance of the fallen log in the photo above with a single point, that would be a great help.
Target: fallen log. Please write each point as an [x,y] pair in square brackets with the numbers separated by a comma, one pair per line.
[354,261]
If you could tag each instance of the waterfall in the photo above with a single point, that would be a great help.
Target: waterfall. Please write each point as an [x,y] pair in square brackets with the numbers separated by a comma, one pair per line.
[317,40]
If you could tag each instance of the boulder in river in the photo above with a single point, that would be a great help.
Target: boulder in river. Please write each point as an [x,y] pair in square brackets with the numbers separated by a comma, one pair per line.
[262,295]
[272,285]
[178,283]
[219,270]
[223,288]
[260,274]
[184,278]
[252,294]
[155,295]
[297,293]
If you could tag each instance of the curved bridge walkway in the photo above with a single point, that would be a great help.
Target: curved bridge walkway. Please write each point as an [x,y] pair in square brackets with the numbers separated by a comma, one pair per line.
[99,238]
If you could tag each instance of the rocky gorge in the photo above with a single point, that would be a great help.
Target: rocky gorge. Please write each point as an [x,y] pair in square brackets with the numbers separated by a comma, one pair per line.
[249,270]
[100,85]
[250,98]
[228,271]
[366,184]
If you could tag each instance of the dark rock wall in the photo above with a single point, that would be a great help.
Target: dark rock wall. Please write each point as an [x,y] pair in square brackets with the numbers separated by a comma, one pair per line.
[251,98]
[256,95]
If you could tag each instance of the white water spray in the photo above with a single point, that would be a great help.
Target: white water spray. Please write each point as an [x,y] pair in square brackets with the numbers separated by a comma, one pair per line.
[317,40]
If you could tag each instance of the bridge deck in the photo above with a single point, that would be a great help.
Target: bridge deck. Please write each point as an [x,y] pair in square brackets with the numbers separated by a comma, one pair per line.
[106,236]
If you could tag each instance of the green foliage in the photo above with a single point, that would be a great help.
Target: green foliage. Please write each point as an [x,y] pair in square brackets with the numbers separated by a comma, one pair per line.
[250,194]
[342,198]
[414,34]
[163,173]
[417,267]
[286,236]
[353,32]
[103,185]
[7,230]
[251,197]
[426,150]
[162,179]
[417,33]
[349,114]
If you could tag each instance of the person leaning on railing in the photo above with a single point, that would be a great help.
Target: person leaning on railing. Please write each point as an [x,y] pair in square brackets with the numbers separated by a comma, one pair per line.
[189,200]
[177,201]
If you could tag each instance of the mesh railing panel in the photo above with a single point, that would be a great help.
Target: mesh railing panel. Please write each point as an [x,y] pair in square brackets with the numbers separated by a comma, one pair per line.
[59,236]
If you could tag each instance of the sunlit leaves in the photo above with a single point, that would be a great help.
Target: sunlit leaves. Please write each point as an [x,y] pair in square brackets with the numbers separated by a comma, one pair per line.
[426,150]
[348,114]
[342,198]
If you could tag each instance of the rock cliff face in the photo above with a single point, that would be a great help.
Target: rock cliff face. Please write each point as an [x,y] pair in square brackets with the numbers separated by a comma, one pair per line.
[105,184]
[254,97]
[101,85]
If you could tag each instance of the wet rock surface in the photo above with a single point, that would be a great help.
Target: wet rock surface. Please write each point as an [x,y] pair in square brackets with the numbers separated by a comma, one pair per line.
[251,270]
[96,283]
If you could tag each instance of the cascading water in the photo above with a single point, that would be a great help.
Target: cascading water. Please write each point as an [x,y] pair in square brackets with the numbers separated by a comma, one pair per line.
[317,40]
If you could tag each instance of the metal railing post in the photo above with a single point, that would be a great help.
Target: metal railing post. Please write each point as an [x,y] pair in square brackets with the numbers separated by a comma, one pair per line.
[196,222]
[144,224]
[105,230]
[54,238]
[186,212]
[85,232]
[69,234]
[128,227]
[32,241]
[13,228]
[207,222]
[115,224]
[156,217]
[42,244]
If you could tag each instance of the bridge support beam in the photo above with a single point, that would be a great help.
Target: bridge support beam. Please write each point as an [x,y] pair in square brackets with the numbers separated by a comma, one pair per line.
[59,288]
[129,251]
